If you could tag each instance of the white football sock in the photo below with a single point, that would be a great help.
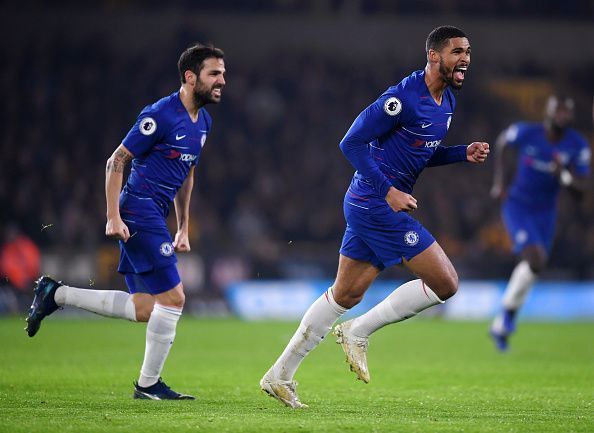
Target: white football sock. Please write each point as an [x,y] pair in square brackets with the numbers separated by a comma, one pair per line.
[403,303]
[160,333]
[110,303]
[520,283]
[314,326]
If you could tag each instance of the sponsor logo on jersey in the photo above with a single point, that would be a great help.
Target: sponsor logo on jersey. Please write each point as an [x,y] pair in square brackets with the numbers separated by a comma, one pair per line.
[147,126]
[539,164]
[411,238]
[419,143]
[172,154]
[434,143]
[166,249]
[179,137]
[392,106]
[188,157]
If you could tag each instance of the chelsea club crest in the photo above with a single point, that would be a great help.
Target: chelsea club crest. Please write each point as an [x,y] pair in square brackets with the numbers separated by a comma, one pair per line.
[411,238]
[166,249]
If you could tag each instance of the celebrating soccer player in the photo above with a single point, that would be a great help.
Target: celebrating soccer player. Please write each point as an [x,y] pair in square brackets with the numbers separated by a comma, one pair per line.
[389,144]
[550,155]
[164,146]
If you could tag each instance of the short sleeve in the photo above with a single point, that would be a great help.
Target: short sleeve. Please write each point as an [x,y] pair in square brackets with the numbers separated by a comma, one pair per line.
[146,132]
[514,134]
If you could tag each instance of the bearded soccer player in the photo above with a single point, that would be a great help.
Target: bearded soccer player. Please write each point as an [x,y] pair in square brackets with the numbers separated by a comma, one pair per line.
[551,155]
[389,144]
[164,147]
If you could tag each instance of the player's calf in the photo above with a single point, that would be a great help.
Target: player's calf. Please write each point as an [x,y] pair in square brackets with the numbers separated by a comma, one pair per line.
[143,305]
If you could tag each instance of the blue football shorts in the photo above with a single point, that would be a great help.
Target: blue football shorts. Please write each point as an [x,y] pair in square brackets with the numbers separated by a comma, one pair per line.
[148,262]
[528,226]
[381,236]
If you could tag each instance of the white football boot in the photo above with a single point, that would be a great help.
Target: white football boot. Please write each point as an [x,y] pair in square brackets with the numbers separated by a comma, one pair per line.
[284,391]
[355,349]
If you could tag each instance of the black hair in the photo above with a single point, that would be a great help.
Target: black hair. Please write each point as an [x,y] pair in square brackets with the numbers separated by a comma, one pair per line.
[439,36]
[193,57]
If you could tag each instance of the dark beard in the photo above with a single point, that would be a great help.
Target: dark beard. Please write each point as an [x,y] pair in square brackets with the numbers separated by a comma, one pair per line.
[203,96]
[448,76]
[557,129]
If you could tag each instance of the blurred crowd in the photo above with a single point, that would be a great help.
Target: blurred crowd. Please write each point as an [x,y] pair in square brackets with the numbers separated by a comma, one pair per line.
[270,183]
[580,9]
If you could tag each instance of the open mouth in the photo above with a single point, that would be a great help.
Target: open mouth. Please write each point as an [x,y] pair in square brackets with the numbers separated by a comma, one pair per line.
[460,72]
[216,92]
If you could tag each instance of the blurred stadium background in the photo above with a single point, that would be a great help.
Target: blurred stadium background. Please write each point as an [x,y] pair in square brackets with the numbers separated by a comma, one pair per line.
[267,208]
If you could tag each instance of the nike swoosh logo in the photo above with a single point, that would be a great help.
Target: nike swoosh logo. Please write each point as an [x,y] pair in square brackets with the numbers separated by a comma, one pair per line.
[423,125]
[179,137]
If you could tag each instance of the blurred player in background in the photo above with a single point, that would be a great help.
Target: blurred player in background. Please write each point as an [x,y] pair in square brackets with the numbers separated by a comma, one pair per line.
[389,144]
[164,146]
[551,155]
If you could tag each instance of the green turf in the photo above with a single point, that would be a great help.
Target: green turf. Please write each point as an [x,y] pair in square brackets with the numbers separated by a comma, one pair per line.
[427,376]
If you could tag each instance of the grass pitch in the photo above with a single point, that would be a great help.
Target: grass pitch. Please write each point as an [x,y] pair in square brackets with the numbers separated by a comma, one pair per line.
[426,376]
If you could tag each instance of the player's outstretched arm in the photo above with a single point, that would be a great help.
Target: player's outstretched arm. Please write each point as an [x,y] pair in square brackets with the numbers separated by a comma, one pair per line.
[114,176]
[181,243]
[445,155]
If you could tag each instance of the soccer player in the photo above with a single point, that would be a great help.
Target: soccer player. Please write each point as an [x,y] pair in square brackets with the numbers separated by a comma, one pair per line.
[550,156]
[389,144]
[164,146]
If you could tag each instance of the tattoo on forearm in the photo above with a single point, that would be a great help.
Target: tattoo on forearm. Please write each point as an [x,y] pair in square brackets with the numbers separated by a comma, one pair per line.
[118,161]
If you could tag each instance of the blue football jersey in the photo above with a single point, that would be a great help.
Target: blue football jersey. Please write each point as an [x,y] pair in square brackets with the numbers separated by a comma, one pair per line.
[535,183]
[403,129]
[165,143]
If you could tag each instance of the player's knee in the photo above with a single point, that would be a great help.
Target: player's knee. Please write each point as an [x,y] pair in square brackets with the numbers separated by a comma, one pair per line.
[536,258]
[447,286]
[172,298]
[347,299]
[537,264]
[451,287]
[178,299]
